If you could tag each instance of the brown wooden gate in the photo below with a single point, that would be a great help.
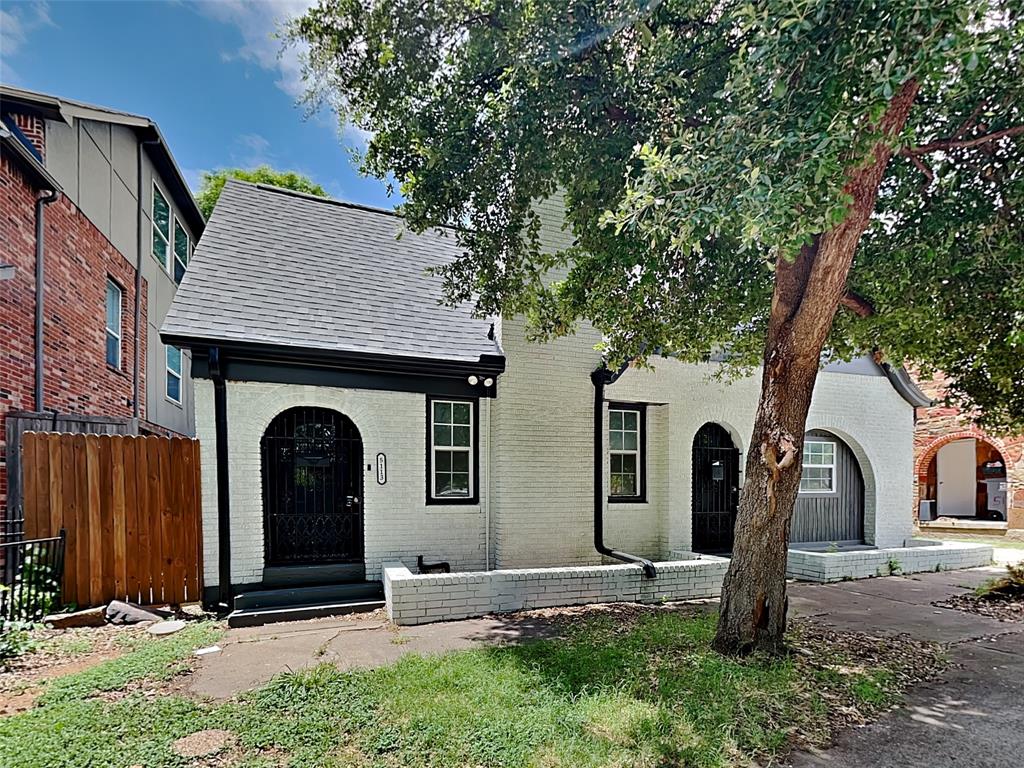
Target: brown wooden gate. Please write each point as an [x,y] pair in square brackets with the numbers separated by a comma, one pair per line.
[130,506]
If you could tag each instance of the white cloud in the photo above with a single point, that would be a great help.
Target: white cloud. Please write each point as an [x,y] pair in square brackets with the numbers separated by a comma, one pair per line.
[252,149]
[17,24]
[259,24]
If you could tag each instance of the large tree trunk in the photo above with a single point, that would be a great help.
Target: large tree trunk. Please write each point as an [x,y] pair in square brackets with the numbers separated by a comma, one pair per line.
[807,294]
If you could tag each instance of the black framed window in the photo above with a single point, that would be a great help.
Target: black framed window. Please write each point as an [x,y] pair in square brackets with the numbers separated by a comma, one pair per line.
[452,451]
[627,438]
[113,303]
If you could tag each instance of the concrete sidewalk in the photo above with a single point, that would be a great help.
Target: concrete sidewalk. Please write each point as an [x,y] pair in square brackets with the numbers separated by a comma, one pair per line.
[971,717]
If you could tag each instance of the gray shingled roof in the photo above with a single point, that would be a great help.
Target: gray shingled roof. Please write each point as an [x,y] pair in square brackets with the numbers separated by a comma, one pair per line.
[282,268]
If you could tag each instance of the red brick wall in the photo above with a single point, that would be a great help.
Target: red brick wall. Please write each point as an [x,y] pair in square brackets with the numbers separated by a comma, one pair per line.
[940,425]
[78,262]
[34,129]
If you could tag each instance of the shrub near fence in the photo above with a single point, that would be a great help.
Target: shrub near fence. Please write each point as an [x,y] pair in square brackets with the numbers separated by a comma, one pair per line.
[130,507]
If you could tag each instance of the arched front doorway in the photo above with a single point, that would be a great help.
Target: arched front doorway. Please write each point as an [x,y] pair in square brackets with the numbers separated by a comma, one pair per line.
[312,488]
[830,504]
[716,482]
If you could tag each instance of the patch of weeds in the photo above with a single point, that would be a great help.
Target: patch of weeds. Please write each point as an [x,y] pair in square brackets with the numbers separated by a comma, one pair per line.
[399,640]
[1008,586]
[15,639]
[152,659]
[895,567]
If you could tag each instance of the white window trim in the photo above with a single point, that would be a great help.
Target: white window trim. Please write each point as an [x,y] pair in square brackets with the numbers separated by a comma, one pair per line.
[168,264]
[832,473]
[467,449]
[115,332]
[171,372]
[175,223]
[627,452]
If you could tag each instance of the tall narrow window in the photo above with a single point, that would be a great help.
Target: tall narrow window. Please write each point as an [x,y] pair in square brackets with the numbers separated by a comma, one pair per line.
[451,450]
[173,389]
[819,467]
[113,324]
[161,226]
[625,447]
[182,247]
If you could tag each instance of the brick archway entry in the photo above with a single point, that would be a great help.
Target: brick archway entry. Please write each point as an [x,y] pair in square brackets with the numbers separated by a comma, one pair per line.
[924,464]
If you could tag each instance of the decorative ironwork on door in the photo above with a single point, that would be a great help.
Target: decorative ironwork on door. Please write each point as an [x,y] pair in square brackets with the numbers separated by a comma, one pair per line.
[716,463]
[312,488]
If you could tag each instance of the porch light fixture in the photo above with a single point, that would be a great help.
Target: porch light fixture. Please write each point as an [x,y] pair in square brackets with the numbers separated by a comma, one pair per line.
[472,381]
[488,382]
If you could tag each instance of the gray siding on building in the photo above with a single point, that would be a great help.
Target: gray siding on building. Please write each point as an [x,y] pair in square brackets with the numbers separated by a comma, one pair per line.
[96,164]
[837,516]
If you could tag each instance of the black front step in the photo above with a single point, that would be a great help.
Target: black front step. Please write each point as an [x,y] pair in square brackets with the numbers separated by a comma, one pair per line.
[255,617]
[306,596]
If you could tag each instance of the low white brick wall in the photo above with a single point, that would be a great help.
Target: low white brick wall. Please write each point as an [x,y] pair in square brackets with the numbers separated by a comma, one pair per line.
[864,563]
[421,599]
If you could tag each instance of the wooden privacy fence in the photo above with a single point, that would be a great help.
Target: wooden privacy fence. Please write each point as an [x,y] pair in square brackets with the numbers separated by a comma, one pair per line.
[130,506]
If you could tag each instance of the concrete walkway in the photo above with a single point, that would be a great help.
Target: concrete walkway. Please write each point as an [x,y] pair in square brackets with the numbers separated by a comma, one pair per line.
[971,717]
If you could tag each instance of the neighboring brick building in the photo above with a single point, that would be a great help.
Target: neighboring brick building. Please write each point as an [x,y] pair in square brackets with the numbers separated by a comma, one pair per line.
[77,169]
[961,471]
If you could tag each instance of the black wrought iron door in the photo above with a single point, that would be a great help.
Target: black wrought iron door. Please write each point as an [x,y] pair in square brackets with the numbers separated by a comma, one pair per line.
[716,467]
[312,488]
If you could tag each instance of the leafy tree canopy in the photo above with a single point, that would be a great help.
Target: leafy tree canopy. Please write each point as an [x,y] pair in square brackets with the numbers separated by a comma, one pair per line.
[696,142]
[212,183]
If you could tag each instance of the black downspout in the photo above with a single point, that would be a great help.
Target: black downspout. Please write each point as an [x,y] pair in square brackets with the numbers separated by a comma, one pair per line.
[41,201]
[600,378]
[137,321]
[220,417]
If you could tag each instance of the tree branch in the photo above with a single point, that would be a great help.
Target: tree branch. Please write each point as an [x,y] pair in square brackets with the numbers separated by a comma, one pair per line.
[941,144]
[857,304]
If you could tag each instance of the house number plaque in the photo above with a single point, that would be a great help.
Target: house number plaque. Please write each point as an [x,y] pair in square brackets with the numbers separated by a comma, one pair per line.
[382,469]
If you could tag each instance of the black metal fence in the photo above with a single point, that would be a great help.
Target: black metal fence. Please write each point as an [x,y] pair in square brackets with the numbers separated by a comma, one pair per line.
[32,573]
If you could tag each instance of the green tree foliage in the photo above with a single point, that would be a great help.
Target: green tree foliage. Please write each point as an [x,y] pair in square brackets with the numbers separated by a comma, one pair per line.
[212,183]
[734,173]
[715,134]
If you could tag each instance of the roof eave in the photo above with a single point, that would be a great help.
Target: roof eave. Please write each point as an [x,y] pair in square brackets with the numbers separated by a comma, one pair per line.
[33,169]
[906,388]
[485,365]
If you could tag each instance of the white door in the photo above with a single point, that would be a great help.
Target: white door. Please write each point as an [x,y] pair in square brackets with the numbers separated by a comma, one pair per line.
[957,475]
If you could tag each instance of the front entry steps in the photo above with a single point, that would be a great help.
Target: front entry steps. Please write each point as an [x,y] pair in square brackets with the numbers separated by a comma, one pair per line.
[267,606]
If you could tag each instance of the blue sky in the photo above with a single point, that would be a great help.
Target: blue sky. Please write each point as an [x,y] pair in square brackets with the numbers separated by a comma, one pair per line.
[207,71]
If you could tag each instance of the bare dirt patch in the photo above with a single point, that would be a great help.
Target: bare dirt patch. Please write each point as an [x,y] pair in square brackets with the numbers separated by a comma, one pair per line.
[56,653]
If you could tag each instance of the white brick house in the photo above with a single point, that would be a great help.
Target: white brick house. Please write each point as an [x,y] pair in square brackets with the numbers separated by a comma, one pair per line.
[350,424]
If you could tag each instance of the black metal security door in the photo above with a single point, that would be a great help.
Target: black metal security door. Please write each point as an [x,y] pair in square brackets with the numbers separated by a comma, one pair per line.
[312,488]
[716,474]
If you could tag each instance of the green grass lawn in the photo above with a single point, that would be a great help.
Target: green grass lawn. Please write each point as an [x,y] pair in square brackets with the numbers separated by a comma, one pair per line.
[646,691]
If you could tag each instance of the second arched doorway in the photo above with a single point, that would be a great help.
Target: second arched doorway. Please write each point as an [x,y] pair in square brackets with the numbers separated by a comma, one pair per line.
[312,489]
[716,468]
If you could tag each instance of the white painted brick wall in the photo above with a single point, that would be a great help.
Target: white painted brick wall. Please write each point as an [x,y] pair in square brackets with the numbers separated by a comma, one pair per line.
[398,524]
[863,564]
[420,599]
[543,444]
